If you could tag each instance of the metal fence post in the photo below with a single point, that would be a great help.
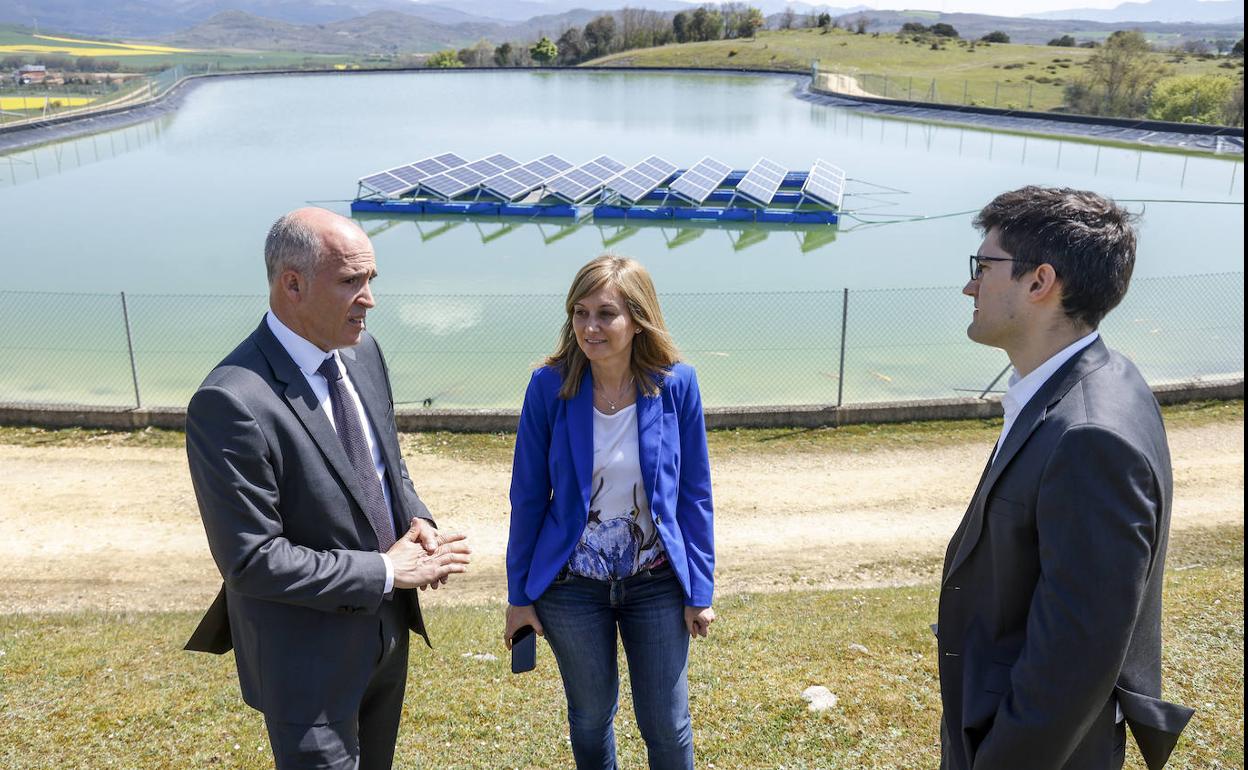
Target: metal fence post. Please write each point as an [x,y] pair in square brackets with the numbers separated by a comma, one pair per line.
[966,84]
[996,94]
[910,90]
[134,372]
[840,374]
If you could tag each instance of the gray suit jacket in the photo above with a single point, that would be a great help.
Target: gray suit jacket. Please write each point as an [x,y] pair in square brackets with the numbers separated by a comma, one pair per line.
[285,524]
[1050,602]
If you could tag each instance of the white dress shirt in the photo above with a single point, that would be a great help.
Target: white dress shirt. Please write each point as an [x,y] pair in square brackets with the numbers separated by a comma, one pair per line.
[308,358]
[1021,389]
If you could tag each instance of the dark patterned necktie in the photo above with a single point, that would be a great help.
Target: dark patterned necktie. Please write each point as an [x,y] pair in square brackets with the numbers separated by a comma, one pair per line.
[351,434]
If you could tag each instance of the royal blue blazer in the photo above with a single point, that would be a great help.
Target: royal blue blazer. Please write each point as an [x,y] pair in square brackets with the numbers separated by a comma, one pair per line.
[553,466]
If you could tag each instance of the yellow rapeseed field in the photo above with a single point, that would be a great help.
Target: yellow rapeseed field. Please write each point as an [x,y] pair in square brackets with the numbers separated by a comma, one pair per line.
[72,50]
[38,102]
[136,46]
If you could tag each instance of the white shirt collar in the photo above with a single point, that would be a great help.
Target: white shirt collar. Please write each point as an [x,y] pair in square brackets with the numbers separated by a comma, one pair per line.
[307,357]
[1021,389]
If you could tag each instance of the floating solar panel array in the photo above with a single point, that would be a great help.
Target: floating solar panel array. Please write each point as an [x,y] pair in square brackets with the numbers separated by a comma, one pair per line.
[637,182]
[696,184]
[762,181]
[826,184]
[393,182]
[522,180]
[458,181]
[579,183]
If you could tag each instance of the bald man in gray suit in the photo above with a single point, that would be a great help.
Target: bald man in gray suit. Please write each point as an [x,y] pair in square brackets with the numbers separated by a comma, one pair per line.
[309,509]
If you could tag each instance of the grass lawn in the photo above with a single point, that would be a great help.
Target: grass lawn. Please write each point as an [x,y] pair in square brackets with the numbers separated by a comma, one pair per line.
[115,690]
[901,69]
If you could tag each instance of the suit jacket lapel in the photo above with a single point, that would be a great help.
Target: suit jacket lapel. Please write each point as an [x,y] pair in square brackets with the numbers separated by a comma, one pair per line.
[298,394]
[649,440]
[372,397]
[959,536]
[581,435]
[1079,366]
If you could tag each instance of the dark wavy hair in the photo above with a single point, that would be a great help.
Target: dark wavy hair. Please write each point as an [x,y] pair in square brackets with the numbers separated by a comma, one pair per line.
[1089,240]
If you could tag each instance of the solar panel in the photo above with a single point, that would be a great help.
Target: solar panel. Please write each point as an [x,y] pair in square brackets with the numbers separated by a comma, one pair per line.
[385,183]
[635,183]
[578,183]
[761,182]
[696,184]
[526,176]
[825,183]
[556,164]
[450,160]
[393,182]
[521,180]
[505,187]
[458,181]
[503,162]
[410,174]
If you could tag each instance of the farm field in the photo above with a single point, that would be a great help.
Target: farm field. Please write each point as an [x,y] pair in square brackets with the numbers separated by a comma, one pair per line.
[39,102]
[142,56]
[885,65]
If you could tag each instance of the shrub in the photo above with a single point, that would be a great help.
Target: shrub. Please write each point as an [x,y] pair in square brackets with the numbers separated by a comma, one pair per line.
[996,36]
[1065,41]
[1192,99]
[444,60]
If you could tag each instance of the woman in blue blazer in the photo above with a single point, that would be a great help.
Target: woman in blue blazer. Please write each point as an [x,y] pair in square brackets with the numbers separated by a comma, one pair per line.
[611,516]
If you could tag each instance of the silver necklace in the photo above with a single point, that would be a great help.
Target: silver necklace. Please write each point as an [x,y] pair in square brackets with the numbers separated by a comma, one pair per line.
[619,394]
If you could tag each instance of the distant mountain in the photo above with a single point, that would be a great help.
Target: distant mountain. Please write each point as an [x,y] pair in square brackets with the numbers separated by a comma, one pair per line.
[1040,31]
[1199,11]
[773,7]
[381,32]
[154,18]
[523,10]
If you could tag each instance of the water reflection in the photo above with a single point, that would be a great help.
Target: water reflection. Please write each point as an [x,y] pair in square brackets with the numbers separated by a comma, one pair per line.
[740,236]
[23,166]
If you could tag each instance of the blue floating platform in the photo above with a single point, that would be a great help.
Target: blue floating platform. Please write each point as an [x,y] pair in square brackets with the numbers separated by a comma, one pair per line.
[789,204]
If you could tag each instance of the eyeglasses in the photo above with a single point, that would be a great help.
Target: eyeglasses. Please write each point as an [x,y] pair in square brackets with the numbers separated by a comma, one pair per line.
[977,269]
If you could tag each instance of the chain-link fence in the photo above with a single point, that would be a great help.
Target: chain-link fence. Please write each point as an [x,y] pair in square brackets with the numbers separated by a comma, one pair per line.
[475,351]
[1026,93]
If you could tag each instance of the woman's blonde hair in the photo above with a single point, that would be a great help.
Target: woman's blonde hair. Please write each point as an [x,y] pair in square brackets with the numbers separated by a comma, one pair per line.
[653,352]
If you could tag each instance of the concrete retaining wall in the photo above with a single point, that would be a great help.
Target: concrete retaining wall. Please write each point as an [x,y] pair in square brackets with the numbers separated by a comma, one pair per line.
[504,420]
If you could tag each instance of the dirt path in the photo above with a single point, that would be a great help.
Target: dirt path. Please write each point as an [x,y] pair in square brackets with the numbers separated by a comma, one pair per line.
[839,84]
[117,528]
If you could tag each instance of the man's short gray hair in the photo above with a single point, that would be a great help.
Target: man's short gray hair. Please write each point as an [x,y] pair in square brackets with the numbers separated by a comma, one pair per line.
[292,245]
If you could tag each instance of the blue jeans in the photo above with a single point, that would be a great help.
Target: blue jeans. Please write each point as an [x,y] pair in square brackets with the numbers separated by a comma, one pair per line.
[580,618]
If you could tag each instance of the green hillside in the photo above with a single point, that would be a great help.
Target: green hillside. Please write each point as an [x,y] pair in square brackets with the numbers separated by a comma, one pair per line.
[905,69]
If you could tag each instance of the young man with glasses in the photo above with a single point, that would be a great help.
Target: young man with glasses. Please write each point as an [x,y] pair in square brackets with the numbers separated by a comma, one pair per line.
[1049,628]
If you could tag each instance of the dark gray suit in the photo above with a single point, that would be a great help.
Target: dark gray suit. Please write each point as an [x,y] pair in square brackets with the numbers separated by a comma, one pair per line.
[1050,603]
[302,602]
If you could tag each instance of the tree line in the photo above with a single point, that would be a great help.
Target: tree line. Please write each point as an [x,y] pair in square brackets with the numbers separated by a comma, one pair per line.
[624,30]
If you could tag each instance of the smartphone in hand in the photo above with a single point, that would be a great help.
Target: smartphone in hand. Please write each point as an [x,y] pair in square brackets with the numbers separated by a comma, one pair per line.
[523,650]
